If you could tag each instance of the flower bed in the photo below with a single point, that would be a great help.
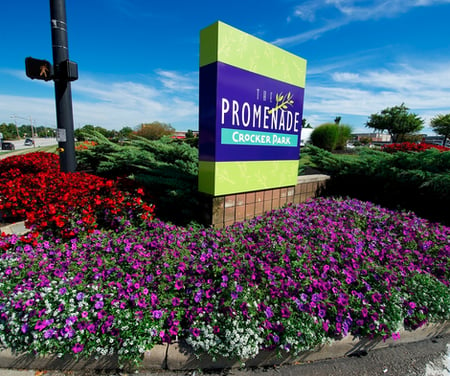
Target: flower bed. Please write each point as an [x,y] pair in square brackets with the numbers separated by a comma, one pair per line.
[412,147]
[33,189]
[289,280]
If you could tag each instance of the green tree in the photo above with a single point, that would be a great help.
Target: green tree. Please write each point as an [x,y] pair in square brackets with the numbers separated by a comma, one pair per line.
[155,130]
[397,121]
[9,131]
[126,132]
[25,130]
[191,138]
[441,125]
[305,124]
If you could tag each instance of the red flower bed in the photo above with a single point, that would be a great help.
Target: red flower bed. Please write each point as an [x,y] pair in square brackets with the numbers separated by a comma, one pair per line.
[85,145]
[33,189]
[412,147]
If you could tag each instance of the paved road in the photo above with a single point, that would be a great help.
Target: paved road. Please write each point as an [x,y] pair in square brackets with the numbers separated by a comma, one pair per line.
[426,358]
[19,144]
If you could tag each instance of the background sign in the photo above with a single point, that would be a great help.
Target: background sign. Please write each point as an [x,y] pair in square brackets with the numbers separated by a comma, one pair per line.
[251,108]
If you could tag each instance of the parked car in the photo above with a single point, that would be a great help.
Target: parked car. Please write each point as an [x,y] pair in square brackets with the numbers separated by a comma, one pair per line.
[8,146]
[28,142]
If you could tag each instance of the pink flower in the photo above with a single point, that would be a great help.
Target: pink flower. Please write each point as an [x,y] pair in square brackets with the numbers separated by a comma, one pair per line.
[195,332]
[77,348]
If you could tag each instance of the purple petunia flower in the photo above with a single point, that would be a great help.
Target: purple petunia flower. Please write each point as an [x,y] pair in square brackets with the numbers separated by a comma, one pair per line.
[78,347]
[80,296]
[195,332]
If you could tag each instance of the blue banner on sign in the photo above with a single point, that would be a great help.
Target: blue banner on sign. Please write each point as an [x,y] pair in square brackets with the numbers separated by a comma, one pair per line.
[242,137]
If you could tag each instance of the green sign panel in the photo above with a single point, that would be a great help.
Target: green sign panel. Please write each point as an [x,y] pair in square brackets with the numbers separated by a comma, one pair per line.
[251,107]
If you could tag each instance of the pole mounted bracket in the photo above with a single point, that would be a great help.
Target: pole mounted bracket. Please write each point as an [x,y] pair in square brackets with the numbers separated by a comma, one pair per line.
[66,71]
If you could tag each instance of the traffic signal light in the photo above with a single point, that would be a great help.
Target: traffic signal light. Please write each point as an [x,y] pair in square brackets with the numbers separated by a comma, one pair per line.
[38,69]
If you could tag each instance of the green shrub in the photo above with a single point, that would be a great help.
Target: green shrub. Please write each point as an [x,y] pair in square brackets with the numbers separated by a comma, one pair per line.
[412,181]
[325,136]
[167,169]
[344,134]
[331,136]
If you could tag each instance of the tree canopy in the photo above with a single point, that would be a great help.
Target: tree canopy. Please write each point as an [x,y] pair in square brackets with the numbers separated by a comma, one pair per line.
[397,121]
[441,125]
[155,130]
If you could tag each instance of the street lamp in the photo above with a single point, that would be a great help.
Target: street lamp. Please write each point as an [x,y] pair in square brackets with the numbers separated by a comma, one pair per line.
[15,123]
[33,135]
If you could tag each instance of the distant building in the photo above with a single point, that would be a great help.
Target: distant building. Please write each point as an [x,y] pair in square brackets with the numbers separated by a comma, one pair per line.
[182,134]
[375,137]
[305,136]
[436,140]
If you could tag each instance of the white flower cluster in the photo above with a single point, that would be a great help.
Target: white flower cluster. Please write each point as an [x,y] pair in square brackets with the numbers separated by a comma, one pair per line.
[237,338]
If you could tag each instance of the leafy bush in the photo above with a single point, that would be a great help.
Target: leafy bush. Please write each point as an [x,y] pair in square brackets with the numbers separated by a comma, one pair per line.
[403,180]
[325,136]
[331,136]
[344,134]
[33,189]
[166,168]
[288,280]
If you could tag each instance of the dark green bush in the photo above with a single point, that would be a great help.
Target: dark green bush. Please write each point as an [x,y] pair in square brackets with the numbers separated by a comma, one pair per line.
[166,168]
[412,181]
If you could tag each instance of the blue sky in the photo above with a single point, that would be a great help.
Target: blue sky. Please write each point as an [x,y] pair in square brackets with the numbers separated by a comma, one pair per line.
[138,59]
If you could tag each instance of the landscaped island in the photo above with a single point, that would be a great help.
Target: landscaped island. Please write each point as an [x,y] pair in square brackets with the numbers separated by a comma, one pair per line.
[109,278]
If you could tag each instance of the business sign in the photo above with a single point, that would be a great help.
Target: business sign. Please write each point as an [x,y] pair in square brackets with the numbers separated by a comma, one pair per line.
[251,106]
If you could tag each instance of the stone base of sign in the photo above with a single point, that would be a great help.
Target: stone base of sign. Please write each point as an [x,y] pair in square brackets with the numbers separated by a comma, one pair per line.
[14,228]
[179,357]
[225,210]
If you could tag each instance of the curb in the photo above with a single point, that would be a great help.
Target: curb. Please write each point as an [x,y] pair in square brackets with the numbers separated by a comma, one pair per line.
[17,228]
[177,357]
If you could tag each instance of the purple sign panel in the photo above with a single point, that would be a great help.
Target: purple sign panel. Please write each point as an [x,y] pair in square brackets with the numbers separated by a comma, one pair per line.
[256,117]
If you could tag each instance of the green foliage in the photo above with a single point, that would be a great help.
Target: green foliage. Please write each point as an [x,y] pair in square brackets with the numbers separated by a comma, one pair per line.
[424,286]
[412,181]
[166,168]
[82,134]
[325,136]
[441,125]
[331,136]
[344,134]
[396,121]
[9,131]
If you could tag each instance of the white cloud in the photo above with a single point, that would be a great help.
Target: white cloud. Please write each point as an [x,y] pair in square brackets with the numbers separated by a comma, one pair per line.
[176,81]
[130,103]
[40,110]
[114,104]
[361,93]
[308,35]
[337,13]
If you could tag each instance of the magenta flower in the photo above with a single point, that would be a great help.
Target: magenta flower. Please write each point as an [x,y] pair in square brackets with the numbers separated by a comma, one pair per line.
[78,347]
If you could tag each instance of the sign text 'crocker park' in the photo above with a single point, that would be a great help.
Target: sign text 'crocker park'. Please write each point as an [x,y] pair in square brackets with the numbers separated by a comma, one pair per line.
[251,108]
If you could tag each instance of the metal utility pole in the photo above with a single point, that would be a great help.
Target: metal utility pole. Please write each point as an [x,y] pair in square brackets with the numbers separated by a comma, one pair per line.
[64,72]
